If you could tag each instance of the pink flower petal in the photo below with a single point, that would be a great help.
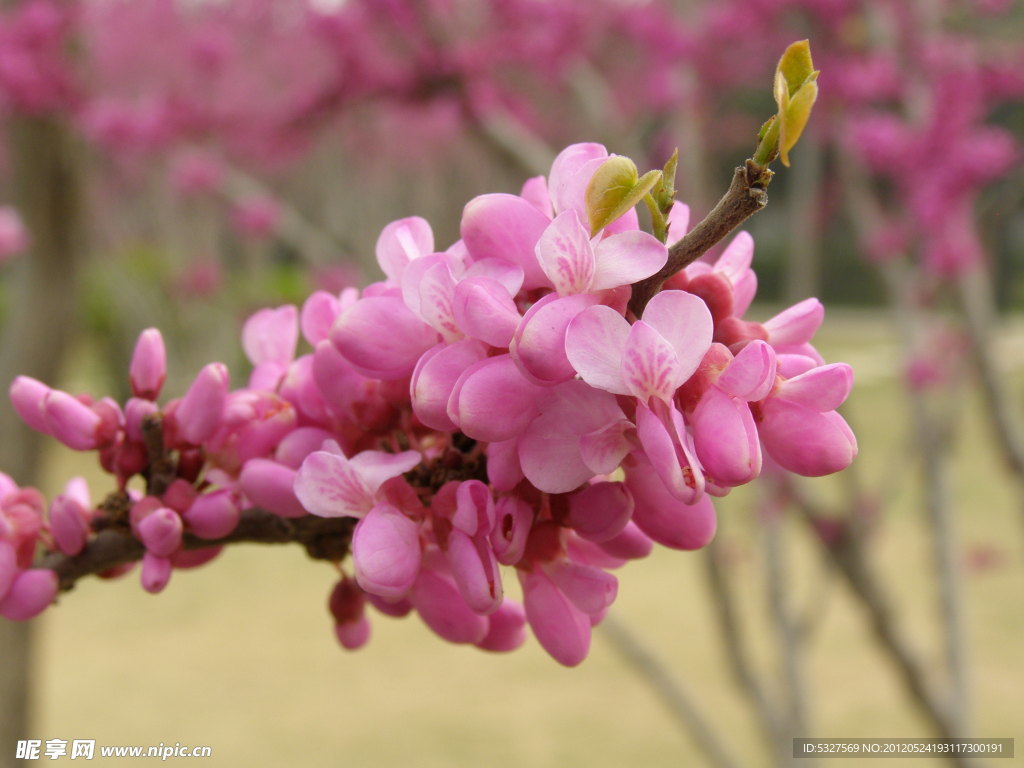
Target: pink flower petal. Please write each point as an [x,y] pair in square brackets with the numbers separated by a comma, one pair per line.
[650,366]
[735,260]
[536,191]
[565,254]
[678,222]
[539,344]
[751,374]
[271,335]
[804,440]
[381,338]
[402,241]
[630,543]
[665,518]
[590,589]
[562,629]
[434,379]
[506,629]
[824,388]
[507,274]
[319,312]
[725,438]
[604,449]
[512,529]
[328,485]
[564,169]
[549,448]
[670,455]
[442,608]
[475,571]
[626,258]
[595,342]
[386,552]
[505,227]
[600,511]
[484,310]
[796,325]
[503,470]
[377,467]
[474,509]
[685,323]
[269,485]
[492,401]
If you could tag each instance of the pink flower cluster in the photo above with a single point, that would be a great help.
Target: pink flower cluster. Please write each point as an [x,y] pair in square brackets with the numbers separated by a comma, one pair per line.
[492,404]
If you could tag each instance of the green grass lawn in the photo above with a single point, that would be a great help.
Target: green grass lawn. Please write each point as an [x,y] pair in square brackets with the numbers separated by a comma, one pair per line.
[240,655]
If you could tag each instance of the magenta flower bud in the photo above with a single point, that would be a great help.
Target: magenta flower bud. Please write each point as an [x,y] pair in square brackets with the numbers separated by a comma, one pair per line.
[506,629]
[156,572]
[69,524]
[161,532]
[347,604]
[353,634]
[27,397]
[140,510]
[135,410]
[269,485]
[213,515]
[179,495]
[8,567]
[148,368]
[201,410]
[71,421]
[32,591]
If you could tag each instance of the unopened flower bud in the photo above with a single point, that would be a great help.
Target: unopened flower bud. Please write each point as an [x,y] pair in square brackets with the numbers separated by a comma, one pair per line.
[148,368]
[161,532]
[29,595]
[71,421]
[200,412]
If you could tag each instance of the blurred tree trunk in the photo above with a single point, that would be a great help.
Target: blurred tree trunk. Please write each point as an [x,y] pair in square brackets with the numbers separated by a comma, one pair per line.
[44,178]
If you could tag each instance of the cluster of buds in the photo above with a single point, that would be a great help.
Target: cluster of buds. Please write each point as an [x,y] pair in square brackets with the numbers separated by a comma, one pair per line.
[492,406]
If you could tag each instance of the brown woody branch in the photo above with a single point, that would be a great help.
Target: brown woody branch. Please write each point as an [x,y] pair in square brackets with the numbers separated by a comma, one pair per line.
[745,197]
[323,539]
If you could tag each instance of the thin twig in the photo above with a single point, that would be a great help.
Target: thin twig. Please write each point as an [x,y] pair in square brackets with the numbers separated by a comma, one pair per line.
[789,642]
[975,300]
[671,690]
[849,557]
[728,624]
[745,197]
[323,537]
